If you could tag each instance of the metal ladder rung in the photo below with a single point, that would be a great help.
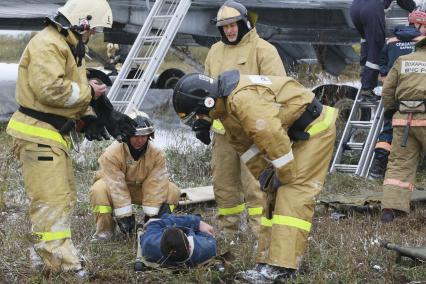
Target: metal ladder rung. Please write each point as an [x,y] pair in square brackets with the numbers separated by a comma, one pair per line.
[346,168]
[152,38]
[163,17]
[354,146]
[141,59]
[119,102]
[129,81]
[368,104]
[361,124]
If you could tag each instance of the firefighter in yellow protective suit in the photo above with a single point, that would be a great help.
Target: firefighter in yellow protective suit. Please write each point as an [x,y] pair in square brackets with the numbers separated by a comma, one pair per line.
[285,137]
[242,49]
[52,91]
[131,173]
[404,101]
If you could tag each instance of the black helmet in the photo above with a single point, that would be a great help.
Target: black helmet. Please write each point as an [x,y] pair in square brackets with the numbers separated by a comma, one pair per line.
[194,93]
[231,12]
[144,125]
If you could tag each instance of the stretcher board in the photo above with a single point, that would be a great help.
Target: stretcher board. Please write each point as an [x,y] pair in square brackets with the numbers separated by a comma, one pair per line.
[196,195]
[363,202]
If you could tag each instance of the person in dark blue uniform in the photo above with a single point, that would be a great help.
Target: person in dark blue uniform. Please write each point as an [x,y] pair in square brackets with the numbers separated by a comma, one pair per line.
[368,17]
[402,43]
[178,240]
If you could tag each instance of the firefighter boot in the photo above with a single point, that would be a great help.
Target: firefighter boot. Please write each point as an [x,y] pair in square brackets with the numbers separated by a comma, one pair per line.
[388,214]
[368,95]
[266,273]
[380,162]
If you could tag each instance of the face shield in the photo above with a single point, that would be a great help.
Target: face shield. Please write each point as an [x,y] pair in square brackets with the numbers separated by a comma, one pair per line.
[188,119]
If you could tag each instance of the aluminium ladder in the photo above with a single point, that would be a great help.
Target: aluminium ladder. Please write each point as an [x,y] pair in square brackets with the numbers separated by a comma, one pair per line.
[147,53]
[359,139]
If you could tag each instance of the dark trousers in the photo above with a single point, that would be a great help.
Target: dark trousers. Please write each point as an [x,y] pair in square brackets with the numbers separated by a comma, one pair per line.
[368,17]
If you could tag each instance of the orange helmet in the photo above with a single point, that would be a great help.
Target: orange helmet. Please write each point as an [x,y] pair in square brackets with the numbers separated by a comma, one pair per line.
[417,17]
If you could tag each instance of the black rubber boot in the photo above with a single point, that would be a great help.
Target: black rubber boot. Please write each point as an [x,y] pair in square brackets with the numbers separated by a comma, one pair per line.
[378,167]
[387,215]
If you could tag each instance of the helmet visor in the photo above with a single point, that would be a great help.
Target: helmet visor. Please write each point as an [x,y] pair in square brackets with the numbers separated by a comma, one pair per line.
[188,119]
[144,131]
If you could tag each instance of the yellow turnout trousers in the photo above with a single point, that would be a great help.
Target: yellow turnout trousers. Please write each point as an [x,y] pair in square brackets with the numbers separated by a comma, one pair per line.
[49,183]
[400,176]
[101,202]
[288,215]
[235,188]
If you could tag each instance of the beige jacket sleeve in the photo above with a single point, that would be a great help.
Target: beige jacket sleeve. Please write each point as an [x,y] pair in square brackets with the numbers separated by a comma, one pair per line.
[260,120]
[269,60]
[156,185]
[112,164]
[390,85]
[207,64]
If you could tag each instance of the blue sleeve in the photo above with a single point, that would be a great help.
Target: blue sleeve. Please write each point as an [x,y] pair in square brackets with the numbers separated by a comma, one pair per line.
[408,5]
[150,241]
[189,221]
[383,61]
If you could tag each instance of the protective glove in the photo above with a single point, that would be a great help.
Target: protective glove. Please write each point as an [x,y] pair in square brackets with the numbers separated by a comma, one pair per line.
[126,224]
[92,128]
[388,114]
[267,178]
[201,128]
[119,125]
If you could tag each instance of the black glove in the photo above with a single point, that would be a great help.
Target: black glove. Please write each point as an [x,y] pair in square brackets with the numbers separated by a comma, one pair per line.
[119,125]
[388,114]
[268,178]
[93,128]
[126,224]
[201,128]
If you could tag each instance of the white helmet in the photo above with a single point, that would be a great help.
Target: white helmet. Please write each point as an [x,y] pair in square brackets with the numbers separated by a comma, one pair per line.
[87,14]
[144,124]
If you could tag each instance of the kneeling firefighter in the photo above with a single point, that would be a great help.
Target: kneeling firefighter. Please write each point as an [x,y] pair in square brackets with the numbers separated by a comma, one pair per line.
[131,173]
[285,137]
[53,92]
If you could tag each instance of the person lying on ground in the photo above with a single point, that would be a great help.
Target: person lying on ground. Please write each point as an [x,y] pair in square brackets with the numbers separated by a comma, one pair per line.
[178,240]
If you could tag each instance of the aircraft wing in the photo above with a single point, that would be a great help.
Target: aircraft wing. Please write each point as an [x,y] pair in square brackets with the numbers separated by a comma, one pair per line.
[302,30]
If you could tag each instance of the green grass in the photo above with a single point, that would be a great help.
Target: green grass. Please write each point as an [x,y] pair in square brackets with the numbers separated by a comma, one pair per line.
[344,251]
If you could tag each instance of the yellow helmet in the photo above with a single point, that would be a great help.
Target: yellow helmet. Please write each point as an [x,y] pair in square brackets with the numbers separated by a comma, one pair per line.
[87,14]
[231,12]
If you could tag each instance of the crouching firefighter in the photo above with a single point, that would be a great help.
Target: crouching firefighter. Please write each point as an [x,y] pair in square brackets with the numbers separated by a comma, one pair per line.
[404,102]
[53,91]
[131,173]
[285,137]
